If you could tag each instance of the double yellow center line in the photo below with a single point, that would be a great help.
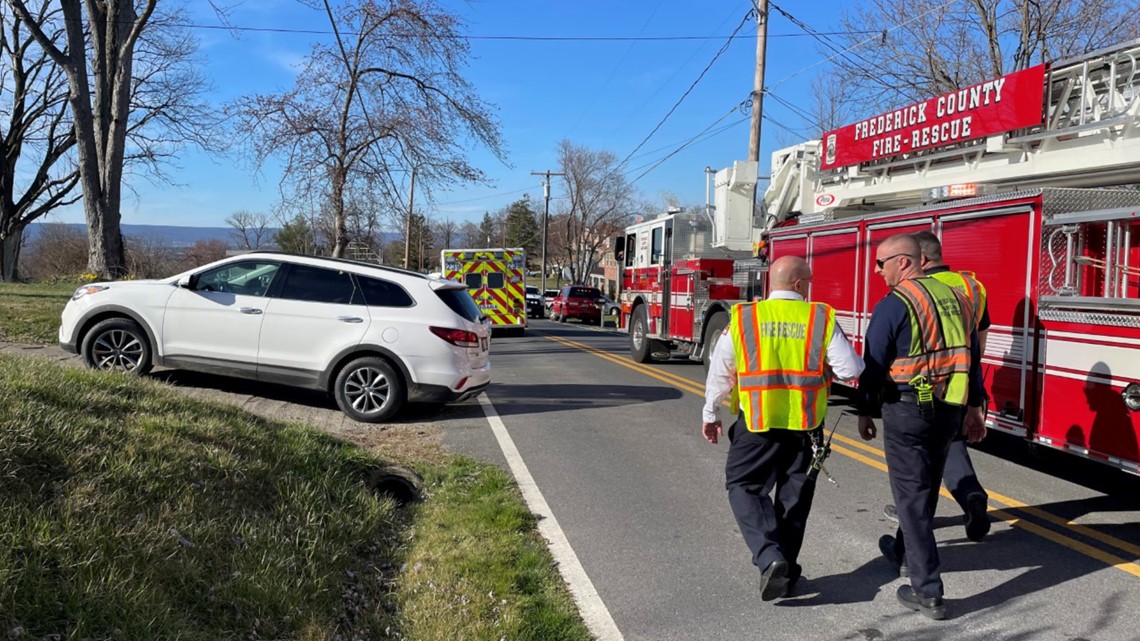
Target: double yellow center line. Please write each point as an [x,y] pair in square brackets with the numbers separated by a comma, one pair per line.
[874,457]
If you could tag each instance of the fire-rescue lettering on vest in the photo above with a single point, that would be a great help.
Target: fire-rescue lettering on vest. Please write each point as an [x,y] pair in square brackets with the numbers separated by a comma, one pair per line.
[940,325]
[969,285]
[781,376]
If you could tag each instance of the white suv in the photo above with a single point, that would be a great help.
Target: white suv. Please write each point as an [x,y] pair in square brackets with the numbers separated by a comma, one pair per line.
[374,337]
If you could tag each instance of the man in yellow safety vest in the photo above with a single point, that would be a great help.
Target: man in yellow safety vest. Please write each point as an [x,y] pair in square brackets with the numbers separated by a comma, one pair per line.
[780,360]
[959,476]
[922,369]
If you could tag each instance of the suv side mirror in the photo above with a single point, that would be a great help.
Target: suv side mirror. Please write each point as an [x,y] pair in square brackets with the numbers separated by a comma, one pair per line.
[189,282]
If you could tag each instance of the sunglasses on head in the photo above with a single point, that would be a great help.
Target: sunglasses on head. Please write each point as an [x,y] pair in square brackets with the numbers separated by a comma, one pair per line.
[883,261]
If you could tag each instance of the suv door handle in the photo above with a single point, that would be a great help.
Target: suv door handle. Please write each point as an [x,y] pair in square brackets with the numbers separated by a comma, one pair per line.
[250,310]
[350,319]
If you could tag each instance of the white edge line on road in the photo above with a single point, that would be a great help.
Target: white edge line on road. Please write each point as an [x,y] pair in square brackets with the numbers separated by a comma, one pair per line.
[593,610]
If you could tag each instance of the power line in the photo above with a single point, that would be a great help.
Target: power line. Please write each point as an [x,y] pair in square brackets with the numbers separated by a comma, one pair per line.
[488,197]
[723,48]
[699,136]
[817,36]
[791,106]
[709,135]
[878,34]
[614,70]
[781,125]
[507,38]
[651,99]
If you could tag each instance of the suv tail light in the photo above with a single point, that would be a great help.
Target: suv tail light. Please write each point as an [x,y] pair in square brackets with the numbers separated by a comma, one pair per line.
[457,337]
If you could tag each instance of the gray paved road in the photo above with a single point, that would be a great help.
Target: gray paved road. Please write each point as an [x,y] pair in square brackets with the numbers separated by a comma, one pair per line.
[614,448]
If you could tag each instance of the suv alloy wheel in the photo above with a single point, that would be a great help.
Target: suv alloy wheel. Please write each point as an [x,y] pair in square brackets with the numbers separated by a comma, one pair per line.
[117,345]
[369,390]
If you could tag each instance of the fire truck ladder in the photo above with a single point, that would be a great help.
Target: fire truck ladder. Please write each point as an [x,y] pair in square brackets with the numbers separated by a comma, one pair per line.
[1090,138]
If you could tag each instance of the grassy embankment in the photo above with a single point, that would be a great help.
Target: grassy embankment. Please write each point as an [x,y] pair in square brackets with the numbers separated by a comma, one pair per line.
[129,511]
[29,313]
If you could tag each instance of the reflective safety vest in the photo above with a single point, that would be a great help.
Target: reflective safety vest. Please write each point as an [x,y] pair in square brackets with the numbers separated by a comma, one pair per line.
[969,285]
[781,375]
[940,325]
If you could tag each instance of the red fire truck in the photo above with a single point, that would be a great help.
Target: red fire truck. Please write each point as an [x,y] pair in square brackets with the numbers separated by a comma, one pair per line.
[1015,175]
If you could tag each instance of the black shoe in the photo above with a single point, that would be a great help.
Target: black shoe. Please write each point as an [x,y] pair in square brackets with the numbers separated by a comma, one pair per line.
[977,520]
[930,607]
[774,580]
[887,547]
[794,574]
[890,512]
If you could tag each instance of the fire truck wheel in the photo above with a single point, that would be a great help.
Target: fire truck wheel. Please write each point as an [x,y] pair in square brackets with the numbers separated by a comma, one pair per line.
[713,329]
[639,344]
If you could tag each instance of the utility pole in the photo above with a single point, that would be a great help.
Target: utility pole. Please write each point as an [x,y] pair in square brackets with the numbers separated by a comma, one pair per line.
[758,82]
[545,216]
[408,226]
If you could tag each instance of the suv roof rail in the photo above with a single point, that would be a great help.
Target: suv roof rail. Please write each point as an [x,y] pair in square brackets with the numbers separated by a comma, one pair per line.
[346,261]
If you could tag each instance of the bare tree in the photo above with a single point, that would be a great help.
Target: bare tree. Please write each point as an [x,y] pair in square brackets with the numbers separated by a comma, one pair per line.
[929,47]
[159,92]
[56,251]
[389,97]
[206,250]
[446,233]
[149,256]
[601,202]
[830,105]
[100,118]
[35,131]
[470,236]
[250,229]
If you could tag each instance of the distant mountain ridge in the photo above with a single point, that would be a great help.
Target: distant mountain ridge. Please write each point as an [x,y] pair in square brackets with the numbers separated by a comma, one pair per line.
[172,235]
[176,236]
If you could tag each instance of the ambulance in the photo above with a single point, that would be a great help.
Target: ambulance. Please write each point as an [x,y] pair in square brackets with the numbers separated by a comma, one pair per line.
[496,280]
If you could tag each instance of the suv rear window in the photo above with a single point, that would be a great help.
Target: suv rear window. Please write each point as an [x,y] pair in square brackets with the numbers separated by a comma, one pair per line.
[461,303]
[381,293]
[584,292]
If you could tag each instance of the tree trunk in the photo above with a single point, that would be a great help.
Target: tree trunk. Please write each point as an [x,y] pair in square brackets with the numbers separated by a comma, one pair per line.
[10,254]
[340,237]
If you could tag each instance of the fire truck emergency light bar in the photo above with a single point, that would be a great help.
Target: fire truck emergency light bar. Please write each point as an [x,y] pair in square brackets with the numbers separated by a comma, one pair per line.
[959,190]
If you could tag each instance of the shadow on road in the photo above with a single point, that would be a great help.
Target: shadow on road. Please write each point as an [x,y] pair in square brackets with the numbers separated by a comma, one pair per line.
[535,399]
[307,398]
[1015,552]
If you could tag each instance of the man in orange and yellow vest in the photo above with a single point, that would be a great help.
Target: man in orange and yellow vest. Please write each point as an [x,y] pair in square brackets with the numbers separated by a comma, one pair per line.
[959,476]
[779,357]
[923,371]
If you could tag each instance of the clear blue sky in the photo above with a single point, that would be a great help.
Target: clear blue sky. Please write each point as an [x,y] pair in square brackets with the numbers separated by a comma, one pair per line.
[605,94]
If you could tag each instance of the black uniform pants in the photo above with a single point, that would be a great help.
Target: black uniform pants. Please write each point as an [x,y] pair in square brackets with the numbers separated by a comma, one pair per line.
[959,476]
[759,462]
[916,445]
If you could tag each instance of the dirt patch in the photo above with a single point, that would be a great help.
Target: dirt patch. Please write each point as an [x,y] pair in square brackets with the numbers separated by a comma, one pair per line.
[414,435]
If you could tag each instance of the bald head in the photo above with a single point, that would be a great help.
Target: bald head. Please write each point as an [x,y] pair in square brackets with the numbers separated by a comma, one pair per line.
[786,271]
[902,244]
[898,258]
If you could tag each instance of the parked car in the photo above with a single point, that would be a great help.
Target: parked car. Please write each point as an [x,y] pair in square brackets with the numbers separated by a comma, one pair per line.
[534,304]
[373,337]
[548,297]
[576,301]
[609,306]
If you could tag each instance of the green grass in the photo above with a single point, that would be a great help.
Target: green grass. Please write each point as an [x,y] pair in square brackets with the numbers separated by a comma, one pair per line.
[479,569]
[129,511]
[29,313]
